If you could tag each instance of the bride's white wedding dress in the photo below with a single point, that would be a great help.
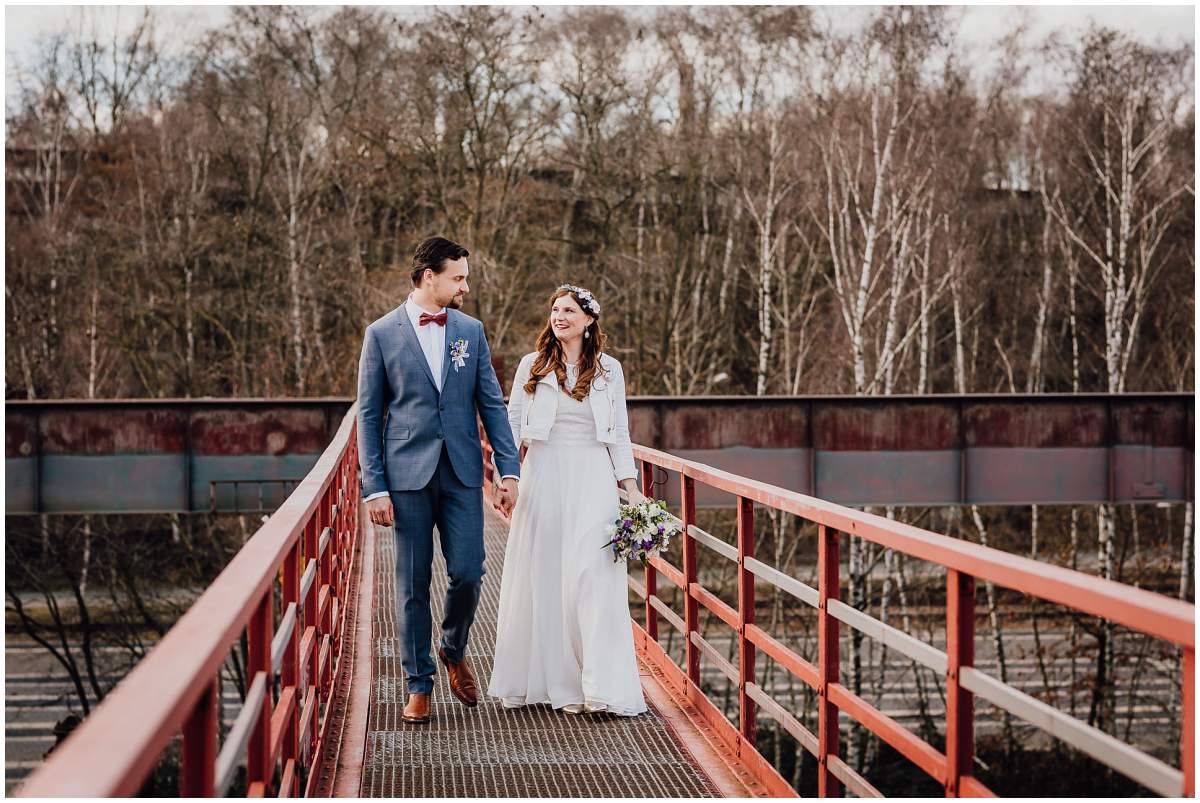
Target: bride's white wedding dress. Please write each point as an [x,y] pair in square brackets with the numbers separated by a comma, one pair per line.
[563,631]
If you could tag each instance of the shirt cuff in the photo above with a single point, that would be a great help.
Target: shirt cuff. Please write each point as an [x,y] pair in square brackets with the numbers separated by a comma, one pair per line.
[375,495]
[510,477]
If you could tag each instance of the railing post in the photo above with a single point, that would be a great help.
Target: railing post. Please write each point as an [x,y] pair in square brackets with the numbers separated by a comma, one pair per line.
[355,495]
[325,629]
[829,583]
[691,611]
[340,578]
[199,755]
[745,537]
[347,538]
[356,487]
[1187,741]
[325,559]
[289,671]
[489,478]
[312,534]
[259,660]
[356,513]
[960,703]
[335,538]
[651,572]
[336,512]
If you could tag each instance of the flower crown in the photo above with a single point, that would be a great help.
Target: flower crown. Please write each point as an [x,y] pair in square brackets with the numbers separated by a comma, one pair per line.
[589,300]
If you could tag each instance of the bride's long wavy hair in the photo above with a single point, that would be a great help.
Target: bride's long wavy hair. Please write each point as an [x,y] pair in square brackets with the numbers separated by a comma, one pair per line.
[550,357]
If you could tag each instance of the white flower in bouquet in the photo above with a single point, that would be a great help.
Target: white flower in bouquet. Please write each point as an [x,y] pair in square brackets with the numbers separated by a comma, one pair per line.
[640,531]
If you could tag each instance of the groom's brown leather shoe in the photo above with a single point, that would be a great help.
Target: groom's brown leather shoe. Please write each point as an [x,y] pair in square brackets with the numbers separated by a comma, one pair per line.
[416,710]
[462,682]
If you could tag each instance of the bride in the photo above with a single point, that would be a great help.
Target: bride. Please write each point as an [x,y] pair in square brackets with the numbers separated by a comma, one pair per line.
[563,633]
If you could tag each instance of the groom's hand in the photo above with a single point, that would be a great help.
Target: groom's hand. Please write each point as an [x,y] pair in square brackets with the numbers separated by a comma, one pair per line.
[380,511]
[508,496]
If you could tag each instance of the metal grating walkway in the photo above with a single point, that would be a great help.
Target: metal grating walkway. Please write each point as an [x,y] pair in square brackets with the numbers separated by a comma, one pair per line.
[490,751]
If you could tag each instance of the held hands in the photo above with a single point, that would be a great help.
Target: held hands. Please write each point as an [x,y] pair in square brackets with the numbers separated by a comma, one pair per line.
[506,497]
[380,511]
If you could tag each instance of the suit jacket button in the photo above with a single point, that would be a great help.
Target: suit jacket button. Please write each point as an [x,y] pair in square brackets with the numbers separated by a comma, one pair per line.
[439,435]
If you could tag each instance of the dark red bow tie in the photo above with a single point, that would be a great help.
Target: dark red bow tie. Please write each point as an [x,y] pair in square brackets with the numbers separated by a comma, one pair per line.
[439,319]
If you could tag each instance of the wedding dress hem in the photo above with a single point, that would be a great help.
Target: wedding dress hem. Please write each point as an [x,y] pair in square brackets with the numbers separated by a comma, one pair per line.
[590,705]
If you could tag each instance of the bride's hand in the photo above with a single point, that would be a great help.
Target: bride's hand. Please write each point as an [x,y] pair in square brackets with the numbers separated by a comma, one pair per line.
[635,496]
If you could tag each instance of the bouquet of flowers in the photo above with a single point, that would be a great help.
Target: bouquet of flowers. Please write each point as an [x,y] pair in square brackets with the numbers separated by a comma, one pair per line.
[641,531]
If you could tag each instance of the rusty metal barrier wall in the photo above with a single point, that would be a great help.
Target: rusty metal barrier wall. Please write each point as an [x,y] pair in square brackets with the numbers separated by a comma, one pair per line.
[182,455]
[306,549]
[965,563]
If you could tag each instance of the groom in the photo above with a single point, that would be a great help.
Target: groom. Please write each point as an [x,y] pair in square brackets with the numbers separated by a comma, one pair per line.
[425,370]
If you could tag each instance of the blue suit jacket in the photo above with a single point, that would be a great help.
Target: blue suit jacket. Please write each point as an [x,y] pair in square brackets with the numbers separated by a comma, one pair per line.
[403,420]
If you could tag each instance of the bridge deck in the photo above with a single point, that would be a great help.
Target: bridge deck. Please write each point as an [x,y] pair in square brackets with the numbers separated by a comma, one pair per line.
[490,751]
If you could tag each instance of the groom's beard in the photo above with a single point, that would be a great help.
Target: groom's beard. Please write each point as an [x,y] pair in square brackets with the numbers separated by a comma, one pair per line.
[455,303]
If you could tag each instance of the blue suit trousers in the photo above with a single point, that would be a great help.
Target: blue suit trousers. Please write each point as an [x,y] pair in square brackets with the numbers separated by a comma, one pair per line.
[457,512]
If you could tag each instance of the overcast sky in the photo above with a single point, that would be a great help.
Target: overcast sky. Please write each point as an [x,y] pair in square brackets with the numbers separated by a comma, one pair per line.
[980,25]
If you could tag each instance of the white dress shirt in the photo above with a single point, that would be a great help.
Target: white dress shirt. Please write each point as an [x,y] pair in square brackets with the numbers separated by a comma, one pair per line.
[431,337]
[433,343]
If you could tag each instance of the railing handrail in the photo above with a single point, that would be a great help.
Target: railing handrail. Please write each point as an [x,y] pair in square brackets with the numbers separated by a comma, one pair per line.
[965,563]
[125,735]
[1145,611]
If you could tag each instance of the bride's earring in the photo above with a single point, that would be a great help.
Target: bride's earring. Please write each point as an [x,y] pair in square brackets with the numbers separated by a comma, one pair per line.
[586,333]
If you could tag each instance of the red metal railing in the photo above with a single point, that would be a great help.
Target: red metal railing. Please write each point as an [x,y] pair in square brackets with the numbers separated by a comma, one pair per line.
[305,551]
[965,563]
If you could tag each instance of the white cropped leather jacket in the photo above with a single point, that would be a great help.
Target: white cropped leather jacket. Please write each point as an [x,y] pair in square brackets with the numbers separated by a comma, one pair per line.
[532,415]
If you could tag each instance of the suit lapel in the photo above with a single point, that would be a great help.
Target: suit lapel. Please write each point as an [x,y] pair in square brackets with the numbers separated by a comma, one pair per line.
[452,329]
[414,345]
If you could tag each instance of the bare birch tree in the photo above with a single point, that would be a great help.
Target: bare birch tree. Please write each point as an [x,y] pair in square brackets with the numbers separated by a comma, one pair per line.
[1112,194]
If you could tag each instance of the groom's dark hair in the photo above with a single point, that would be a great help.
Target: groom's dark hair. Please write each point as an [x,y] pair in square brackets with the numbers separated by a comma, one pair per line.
[432,254]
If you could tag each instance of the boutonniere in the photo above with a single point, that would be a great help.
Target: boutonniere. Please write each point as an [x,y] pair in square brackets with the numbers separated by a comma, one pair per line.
[458,353]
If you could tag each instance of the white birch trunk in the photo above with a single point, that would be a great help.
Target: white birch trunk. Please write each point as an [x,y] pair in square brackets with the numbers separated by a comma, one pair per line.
[997,634]
[93,337]
[1033,382]
[960,368]
[923,342]
[1186,557]
[22,351]
[776,189]
[1072,632]
[294,268]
